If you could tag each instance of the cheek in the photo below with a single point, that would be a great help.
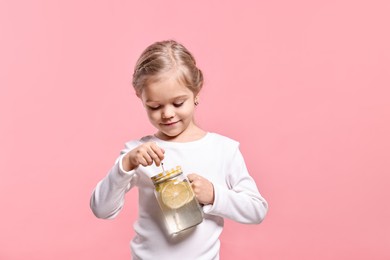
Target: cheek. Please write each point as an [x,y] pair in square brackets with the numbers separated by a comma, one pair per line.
[153,115]
[188,111]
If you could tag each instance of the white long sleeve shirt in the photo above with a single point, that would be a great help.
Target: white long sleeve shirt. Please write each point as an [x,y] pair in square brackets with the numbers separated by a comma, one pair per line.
[216,158]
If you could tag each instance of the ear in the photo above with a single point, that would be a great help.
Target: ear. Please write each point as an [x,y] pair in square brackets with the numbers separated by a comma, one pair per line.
[196,100]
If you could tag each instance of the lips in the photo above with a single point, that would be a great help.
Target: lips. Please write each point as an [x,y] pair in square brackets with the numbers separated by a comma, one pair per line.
[169,124]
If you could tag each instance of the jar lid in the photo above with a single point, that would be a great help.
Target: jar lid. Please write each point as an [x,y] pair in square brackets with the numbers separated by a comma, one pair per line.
[163,176]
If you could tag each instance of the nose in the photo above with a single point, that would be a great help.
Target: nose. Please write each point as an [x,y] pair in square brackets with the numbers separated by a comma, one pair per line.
[167,113]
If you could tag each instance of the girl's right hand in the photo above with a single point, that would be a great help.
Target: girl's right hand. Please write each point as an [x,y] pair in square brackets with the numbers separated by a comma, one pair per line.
[144,155]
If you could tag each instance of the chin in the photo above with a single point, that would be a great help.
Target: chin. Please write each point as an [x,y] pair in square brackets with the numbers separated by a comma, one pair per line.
[170,135]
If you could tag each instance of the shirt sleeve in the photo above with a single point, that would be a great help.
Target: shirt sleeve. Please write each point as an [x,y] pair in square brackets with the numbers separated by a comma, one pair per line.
[108,197]
[239,200]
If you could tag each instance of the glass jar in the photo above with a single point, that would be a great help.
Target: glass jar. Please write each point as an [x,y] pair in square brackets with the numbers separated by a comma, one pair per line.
[177,200]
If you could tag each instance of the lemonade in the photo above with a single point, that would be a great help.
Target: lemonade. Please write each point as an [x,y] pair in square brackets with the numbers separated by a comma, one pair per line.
[177,201]
[175,194]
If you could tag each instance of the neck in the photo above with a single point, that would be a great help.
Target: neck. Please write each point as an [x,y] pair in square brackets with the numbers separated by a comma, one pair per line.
[192,133]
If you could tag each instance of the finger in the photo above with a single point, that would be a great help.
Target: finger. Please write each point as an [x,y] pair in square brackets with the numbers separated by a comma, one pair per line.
[192,177]
[143,162]
[155,152]
[158,151]
[146,159]
[154,157]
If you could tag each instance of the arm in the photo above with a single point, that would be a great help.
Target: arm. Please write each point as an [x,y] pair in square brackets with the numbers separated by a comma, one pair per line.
[108,198]
[240,200]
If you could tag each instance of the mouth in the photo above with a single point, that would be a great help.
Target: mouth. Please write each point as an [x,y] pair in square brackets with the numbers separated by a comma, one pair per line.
[169,123]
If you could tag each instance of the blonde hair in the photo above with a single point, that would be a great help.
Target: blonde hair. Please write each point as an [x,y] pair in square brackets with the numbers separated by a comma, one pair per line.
[167,56]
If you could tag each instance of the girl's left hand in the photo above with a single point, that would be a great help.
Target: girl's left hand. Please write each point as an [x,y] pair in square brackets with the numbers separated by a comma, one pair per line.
[203,188]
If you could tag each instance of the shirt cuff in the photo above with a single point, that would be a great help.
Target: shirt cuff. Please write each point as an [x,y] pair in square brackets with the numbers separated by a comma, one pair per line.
[121,170]
[213,208]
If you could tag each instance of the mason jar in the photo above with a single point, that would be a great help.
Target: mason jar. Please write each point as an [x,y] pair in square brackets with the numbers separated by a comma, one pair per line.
[177,200]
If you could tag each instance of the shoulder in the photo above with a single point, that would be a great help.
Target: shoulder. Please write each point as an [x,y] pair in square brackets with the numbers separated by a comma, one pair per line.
[223,141]
[129,145]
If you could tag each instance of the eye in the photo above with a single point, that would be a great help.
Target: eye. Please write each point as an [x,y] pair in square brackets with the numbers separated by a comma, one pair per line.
[178,104]
[154,108]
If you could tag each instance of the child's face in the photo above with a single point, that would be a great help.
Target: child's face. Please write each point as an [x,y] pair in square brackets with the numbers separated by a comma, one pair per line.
[170,107]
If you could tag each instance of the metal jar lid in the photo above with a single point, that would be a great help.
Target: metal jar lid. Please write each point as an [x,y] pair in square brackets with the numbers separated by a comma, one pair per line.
[163,176]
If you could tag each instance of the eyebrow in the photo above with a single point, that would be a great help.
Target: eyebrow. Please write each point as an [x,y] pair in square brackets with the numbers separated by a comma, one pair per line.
[178,97]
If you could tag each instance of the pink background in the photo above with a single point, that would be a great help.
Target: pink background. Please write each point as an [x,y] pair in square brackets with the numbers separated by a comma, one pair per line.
[303,85]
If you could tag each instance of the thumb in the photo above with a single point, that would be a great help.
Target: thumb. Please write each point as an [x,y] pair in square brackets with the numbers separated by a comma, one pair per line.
[192,176]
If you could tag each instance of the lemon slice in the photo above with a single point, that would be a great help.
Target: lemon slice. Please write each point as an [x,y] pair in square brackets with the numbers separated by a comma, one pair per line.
[174,195]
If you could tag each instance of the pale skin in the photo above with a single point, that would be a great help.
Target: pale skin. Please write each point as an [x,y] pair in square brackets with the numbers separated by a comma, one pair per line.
[170,107]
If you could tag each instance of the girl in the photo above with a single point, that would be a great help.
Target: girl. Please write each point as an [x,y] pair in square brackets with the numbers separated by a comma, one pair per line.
[168,82]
